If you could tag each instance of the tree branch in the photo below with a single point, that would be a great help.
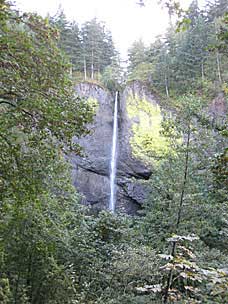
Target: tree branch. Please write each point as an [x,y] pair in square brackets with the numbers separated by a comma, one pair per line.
[15,106]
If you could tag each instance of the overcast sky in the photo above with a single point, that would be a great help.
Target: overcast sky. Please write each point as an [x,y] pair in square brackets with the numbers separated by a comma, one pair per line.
[126,20]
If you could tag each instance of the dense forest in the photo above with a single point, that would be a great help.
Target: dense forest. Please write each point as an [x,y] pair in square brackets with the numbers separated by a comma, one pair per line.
[55,250]
[90,48]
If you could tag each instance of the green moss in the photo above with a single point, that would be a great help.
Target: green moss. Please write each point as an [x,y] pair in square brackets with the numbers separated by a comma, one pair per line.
[147,142]
[93,102]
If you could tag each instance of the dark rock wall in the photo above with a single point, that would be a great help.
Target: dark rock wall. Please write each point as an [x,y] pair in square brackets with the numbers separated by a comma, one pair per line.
[91,172]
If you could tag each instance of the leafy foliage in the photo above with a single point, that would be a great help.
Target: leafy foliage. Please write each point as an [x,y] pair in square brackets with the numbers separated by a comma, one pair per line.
[39,114]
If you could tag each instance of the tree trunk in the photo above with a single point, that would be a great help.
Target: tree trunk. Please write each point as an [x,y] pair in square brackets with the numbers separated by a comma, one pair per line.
[173,250]
[217,56]
[202,71]
[85,74]
[92,67]
[166,86]
[218,67]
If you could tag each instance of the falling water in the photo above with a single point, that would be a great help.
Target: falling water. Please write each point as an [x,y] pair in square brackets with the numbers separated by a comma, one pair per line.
[114,157]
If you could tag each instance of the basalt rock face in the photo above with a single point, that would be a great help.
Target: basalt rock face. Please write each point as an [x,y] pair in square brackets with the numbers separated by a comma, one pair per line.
[91,172]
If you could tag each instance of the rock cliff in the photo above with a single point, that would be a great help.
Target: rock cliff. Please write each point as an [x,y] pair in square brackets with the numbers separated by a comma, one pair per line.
[138,109]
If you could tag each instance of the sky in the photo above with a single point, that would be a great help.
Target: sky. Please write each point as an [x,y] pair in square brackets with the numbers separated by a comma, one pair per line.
[126,20]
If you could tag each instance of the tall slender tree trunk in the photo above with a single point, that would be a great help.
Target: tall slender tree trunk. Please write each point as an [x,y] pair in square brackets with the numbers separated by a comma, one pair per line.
[180,209]
[217,56]
[85,73]
[92,66]
[98,71]
[202,71]
[218,67]
[166,86]
[166,75]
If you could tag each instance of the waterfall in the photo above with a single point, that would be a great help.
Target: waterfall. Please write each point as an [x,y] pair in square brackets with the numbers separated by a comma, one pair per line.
[112,201]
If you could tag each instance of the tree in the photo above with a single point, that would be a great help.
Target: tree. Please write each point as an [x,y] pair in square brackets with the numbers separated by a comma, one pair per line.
[112,76]
[70,39]
[136,54]
[98,48]
[39,114]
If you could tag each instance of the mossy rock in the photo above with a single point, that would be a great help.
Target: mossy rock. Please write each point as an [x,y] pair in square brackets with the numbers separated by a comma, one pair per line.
[147,141]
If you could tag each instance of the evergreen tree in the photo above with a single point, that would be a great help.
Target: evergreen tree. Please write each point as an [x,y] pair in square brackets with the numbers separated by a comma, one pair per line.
[70,39]
[98,48]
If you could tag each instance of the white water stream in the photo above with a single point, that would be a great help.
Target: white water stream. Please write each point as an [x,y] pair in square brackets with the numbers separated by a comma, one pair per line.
[112,201]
